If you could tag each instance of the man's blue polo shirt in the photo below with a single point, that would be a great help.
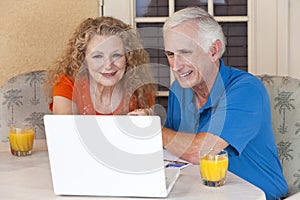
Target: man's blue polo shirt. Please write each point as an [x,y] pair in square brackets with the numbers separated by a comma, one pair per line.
[238,111]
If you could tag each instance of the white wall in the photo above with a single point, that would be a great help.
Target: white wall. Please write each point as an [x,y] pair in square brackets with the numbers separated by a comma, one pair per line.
[276,37]
[122,9]
[294,38]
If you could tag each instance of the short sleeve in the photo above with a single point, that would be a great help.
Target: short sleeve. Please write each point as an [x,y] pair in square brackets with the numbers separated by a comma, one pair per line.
[238,116]
[63,88]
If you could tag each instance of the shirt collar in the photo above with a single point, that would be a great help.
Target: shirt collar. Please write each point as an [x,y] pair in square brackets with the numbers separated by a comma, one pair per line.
[218,88]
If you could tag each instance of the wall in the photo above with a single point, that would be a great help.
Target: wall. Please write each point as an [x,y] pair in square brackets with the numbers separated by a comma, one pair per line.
[120,9]
[34,33]
[294,39]
[276,37]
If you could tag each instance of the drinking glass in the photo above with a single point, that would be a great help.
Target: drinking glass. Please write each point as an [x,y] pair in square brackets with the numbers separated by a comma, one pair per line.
[213,167]
[21,137]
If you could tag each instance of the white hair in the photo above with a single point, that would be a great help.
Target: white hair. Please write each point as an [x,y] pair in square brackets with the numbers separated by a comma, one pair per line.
[209,28]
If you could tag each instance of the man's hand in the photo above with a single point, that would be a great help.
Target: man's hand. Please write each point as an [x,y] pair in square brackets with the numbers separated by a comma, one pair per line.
[145,111]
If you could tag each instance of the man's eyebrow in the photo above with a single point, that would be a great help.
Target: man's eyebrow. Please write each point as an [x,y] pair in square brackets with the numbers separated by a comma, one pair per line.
[178,51]
[184,50]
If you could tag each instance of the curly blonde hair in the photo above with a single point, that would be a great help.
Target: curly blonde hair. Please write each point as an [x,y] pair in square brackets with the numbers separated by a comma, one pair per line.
[136,57]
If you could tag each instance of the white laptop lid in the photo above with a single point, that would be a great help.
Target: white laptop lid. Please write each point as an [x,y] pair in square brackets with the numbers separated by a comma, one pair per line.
[106,155]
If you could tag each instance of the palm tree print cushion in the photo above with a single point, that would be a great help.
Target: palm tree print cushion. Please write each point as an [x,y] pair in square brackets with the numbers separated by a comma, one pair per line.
[23,99]
[284,95]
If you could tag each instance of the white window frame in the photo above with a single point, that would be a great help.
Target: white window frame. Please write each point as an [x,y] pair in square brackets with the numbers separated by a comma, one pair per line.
[273,45]
[210,8]
[126,11]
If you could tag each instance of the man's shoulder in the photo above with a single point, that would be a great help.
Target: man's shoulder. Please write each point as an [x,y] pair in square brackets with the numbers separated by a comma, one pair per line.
[245,83]
[237,76]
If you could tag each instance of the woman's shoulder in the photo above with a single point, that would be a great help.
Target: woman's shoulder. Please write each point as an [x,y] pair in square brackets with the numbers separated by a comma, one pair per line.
[65,79]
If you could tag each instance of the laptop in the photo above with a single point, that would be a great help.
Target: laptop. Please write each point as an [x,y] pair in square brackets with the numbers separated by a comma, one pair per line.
[94,155]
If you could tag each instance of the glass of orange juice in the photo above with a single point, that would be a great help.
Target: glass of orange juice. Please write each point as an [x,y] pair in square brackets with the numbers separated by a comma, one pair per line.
[21,138]
[213,167]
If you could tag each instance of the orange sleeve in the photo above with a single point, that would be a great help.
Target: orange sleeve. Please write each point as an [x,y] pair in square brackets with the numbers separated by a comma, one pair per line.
[63,88]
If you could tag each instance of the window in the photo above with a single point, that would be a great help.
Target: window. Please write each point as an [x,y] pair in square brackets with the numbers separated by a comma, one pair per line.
[231,14]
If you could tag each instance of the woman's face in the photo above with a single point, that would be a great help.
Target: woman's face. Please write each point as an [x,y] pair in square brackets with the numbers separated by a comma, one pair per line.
[105,58]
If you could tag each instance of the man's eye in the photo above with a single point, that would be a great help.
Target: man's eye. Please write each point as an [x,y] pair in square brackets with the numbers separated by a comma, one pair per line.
[185,52]
[169,54]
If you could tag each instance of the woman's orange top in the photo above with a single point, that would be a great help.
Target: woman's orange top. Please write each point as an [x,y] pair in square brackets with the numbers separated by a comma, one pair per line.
[79,93]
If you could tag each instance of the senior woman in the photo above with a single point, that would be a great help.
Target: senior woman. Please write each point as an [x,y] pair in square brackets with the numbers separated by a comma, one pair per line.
[104,71]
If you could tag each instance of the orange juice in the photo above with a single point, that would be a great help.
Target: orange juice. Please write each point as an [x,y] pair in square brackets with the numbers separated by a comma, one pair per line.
[213,168]
[21,141]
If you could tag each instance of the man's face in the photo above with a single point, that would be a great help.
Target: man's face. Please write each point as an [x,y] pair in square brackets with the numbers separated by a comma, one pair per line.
[188,61]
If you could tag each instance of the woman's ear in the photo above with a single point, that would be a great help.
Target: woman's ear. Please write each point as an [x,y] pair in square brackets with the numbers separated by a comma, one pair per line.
[215,50]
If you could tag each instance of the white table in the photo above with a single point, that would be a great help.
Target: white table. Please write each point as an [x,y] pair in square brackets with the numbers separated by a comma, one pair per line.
[29,178]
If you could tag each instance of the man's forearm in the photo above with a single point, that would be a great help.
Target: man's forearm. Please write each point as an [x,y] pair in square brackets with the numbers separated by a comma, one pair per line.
[188,145]
[183,145]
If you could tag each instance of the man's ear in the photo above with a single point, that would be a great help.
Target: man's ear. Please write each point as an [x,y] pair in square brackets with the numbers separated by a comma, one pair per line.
[215,50]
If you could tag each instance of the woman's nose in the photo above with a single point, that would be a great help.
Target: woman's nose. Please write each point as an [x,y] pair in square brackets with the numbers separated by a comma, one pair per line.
[108,63]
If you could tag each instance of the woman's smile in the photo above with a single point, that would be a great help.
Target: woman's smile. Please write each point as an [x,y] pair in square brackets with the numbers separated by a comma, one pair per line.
[108,74]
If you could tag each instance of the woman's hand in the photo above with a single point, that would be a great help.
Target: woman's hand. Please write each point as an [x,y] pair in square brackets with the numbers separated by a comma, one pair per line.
[142,111]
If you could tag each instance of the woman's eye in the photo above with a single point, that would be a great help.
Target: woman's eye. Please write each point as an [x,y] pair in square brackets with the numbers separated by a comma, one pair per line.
[117,55]
[97,56]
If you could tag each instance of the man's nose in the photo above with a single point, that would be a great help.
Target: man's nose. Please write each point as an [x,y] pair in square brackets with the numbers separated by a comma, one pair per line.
[178,63]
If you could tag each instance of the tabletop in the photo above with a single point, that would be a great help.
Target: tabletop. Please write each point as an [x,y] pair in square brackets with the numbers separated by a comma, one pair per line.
[29,178]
